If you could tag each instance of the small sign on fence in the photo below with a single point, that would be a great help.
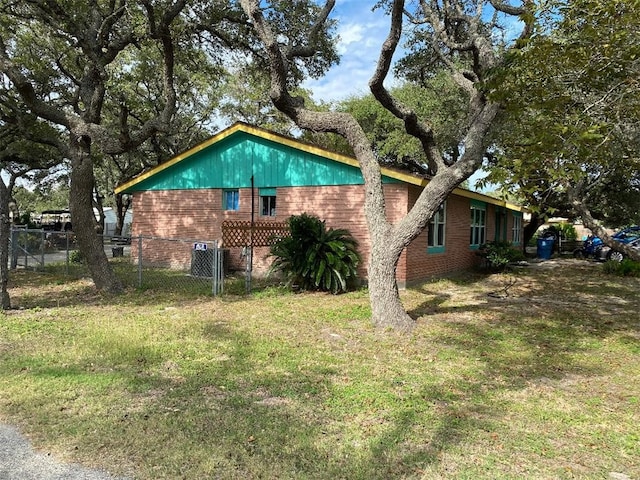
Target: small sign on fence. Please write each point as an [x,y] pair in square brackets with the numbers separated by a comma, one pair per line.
[200,247]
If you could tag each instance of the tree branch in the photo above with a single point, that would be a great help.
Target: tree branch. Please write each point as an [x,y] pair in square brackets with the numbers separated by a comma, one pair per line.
[576,195]
[423,132]
[334,122]
[27,92]
[506,8]
[308,50]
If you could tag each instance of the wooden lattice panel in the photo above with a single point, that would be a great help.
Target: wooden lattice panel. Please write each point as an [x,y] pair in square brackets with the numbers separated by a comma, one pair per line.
[238,233]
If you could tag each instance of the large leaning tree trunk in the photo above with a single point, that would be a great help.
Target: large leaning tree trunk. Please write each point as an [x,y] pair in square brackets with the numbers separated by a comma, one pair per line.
[83,219]
[389,240]
[578,199]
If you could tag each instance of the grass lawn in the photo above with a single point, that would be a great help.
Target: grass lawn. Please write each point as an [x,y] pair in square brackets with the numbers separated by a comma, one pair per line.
[530,374]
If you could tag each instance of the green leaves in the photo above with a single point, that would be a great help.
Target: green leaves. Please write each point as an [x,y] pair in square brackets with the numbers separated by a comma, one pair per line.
[572,111]
[437,99]
[314,257]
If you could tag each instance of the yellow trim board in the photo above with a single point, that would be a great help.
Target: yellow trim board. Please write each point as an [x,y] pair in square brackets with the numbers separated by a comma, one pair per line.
[487,199]
[266,135]
[305,147]
[178,158]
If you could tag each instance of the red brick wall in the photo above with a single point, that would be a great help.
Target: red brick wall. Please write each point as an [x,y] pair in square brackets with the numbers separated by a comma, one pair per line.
[191,215]
[341,207]
[338,206]
[178,214]
[457,254]
[198,215]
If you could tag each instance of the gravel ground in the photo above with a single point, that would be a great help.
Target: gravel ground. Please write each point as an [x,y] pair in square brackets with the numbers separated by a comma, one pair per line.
[18,461]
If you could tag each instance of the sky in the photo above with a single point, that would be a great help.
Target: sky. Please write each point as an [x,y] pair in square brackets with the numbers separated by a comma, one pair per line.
[362,32]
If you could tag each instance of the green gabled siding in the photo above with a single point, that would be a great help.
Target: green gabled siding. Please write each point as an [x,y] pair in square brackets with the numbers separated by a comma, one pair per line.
[231,162]
[267,192]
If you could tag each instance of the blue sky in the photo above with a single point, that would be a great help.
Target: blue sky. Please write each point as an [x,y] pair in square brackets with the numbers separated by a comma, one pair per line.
[361,34]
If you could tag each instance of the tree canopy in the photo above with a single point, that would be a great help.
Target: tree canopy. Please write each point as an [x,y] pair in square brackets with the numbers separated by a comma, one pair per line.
[118,86]
[438,98]
[114,76]
[572,113]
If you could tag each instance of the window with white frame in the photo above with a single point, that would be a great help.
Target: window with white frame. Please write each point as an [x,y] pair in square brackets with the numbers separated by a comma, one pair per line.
[231,199]
[436,234]
[478,224]
[517,228]
[268,202]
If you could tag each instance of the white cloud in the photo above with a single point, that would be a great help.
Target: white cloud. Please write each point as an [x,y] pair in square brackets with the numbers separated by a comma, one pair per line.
[361,33]
[351,33]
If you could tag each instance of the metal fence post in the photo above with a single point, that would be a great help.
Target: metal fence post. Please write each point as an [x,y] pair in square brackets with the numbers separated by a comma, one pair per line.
[15,238]
[247,279]
[214,269]
[42,248]
[25,249]
[219,270]
[66,234]
[220,254]
[140,261]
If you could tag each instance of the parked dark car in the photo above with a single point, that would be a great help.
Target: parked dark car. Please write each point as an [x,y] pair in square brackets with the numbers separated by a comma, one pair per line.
[629,236]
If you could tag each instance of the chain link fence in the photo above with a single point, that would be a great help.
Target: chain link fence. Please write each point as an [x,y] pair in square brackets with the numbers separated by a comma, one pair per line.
[143,262]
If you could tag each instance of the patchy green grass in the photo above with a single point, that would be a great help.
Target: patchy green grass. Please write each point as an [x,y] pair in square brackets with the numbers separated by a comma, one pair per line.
[531,374]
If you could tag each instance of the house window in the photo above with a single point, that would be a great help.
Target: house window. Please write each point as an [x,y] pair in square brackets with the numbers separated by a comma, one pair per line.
[268,202]
[501,224]
[478,224]
[435,239]
[516,229]
[231,199]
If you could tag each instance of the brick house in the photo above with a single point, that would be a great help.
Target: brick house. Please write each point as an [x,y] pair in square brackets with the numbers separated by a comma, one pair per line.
[244,172]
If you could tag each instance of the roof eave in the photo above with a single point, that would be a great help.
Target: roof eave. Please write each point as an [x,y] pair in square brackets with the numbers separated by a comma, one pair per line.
[290,142]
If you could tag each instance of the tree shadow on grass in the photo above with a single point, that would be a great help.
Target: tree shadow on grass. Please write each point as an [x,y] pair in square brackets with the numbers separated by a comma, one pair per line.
[252,408]
[246,412]
[228,417]
[517,342]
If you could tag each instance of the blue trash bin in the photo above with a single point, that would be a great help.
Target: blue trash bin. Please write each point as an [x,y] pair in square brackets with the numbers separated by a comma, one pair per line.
[545,248]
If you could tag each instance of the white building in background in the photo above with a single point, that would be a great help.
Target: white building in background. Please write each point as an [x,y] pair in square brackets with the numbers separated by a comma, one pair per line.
[110,221]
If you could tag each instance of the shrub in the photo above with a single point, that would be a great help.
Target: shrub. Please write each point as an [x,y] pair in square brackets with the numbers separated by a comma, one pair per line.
[625,268]
[499,254]
[567,231]
[76,257]
[314,257]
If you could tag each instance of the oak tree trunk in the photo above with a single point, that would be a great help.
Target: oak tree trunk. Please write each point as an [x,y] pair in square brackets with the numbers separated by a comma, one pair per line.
[530,229]
[388,240]
[84,222]
[5,230]
[577,196]
[387,310]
